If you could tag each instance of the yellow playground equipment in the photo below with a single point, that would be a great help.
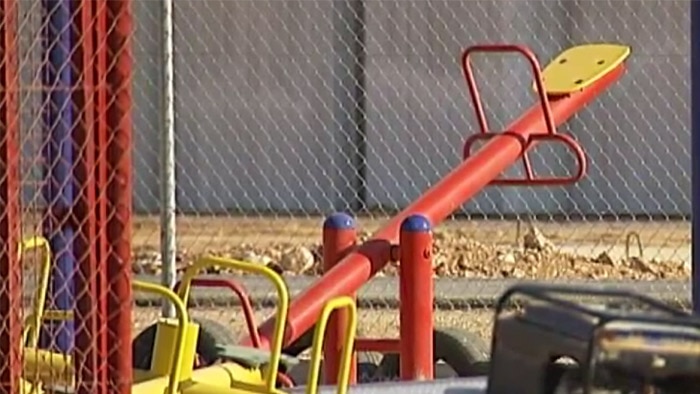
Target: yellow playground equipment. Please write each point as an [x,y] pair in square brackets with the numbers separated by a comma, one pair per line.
[173,358]
[30,332]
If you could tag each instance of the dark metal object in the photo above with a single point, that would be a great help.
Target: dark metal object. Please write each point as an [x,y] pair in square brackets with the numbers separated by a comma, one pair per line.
[615,342]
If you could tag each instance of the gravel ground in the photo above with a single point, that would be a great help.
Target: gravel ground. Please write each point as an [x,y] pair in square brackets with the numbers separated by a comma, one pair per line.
[463,249]
[469,249]
[381,323]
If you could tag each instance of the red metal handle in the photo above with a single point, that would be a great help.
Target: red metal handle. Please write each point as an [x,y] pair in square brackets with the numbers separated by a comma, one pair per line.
[284,380]
[474,91]
[242,295]
[237,288]
[530,178]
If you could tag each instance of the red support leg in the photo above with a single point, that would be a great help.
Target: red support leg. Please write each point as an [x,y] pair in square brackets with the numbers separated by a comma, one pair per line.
[119,192]
[10,270]
[339,235]
[416,299]
[90,321]
[101,174]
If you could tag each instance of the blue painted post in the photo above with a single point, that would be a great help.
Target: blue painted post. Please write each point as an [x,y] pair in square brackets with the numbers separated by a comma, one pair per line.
[339,236]
[695,151]
[416,295]
[58,163]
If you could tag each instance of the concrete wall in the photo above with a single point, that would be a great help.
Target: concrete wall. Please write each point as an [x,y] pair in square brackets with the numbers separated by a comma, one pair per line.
[637,135]
[265,103]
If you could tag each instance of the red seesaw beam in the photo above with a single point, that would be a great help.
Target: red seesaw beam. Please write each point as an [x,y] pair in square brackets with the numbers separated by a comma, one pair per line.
[436,204]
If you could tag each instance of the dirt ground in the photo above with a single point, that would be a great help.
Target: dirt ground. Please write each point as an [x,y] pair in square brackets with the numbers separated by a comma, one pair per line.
[468,249]
[380,323]
[463,248]
[210,231]
[479,248]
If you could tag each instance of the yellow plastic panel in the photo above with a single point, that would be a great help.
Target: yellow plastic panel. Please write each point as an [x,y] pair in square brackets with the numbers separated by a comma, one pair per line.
[26,387]
[46,366]
[226,378]
[209,388]
[179,342]
[165,345]
[578,67]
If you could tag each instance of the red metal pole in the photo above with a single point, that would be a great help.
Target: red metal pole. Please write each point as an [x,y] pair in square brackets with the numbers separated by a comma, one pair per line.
[416,299]
[10,269]
[436,204]
[90,318]
[379,345]
[339,236]
[101,174]
[119,193]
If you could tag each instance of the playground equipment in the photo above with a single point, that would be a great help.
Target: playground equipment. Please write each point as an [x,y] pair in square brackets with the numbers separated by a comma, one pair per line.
[209,346]
[212,333]
[572,80]
[567,84]
[172,367]
[30,333]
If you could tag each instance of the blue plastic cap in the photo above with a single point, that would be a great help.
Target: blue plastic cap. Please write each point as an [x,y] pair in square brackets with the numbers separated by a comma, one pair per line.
[416,223]
[339,221]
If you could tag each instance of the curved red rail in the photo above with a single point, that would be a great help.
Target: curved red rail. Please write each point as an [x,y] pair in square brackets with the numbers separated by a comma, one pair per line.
[242,295]
[536,72]
[533,138]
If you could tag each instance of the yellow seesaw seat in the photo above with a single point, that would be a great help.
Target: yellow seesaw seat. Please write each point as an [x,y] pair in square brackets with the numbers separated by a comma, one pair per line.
[579,67]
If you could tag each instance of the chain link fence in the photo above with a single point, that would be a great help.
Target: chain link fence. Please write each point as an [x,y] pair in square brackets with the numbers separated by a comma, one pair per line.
[65,143]
[287,111]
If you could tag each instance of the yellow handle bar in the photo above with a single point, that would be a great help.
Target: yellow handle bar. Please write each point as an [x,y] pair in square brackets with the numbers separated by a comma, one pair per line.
[182,319]
[281,314]
[343,302]
[31,330]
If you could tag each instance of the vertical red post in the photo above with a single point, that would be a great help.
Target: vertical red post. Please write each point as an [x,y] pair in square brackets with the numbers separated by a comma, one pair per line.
[119,192]
[416,298]
[89,135]
[10,270]
[101,104]
[87,326]
[339,236]
[101,138]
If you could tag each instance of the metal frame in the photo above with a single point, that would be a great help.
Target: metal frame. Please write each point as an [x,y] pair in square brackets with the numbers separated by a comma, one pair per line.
[88,190]
[415,342]
[168,246]
[470,177]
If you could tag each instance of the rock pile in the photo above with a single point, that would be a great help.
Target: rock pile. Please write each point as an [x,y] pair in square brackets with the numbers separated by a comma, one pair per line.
[455,255]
